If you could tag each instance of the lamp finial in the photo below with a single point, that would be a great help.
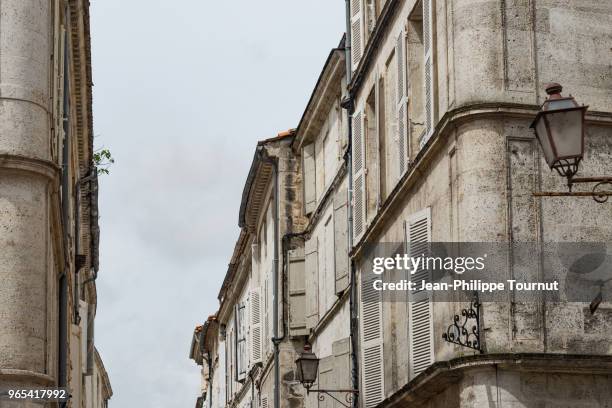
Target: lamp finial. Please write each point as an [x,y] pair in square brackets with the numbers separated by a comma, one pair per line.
[553,89]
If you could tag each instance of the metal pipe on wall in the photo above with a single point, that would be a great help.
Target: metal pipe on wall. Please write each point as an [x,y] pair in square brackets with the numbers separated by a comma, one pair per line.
[63,283]
[348,157]
[275,275]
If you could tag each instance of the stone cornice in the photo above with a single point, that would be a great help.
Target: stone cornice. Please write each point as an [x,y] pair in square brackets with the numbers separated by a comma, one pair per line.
[10,92]
[443,373]
[39,167]
[30,377]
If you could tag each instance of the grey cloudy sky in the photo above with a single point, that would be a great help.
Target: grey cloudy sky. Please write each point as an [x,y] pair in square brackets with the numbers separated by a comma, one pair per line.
[183,90]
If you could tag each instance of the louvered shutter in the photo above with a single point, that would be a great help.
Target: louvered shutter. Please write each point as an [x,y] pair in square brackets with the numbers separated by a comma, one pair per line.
[428,68]
[402,102]
[310,194]
[341,259]
[327,380]
[341,350]
[358,165]
[266,317]
[84,315]
[420,319]
[372,361]
[255,327]
[297,292]
[312,282]
[356,32]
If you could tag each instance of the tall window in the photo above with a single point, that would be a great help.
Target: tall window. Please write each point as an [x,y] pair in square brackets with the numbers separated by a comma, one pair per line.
[414,50]
[241,345]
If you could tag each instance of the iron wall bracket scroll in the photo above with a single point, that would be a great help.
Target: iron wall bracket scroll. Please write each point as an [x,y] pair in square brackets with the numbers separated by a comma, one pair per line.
[598,192]
[465,330]
[348,395]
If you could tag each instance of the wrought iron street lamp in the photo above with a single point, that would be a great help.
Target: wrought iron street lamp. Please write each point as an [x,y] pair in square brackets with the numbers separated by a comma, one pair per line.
[560,129]
[307,368]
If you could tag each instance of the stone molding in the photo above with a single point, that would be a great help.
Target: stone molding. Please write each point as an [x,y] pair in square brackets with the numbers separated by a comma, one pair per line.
[30,377]
[444,373]
[11,92]
[42,168]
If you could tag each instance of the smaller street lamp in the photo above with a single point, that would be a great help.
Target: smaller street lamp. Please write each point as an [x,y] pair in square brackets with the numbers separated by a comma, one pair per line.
[307,368]
[560,129]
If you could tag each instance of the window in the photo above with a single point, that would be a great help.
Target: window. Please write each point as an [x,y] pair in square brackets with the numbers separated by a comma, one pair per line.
[241,346]
[229,363]
[422,24]
[415,53]
[309,177]
[382,141]
[370,16]
[371,154]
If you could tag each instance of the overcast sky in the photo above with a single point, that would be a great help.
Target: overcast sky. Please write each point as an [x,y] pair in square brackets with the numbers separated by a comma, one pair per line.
[183,89]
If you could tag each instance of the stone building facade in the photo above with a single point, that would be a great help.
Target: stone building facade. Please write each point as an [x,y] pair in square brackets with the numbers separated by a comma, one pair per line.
[418,131]
[444,93]
[48,203]
[247,353]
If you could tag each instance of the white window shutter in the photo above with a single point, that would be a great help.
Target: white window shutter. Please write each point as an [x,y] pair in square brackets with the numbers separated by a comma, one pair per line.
[358,164]
[312,282]
[420,313]
[310,194]
[84,315]
[356,32]
[341,259]
[341,349]
[327,380]
[297,292]
[255,327]
[429,69]
[372,359]
[402,102]
[266,317]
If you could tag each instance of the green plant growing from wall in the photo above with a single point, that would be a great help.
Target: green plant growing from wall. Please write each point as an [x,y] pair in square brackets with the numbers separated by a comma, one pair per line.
[103,159]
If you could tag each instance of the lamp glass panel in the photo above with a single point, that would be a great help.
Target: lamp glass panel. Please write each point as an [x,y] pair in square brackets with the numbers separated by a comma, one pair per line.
[310,367]
[553,104]
[542,135]
[566,132]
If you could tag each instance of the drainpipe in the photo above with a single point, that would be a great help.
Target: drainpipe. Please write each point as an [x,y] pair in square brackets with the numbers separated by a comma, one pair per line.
[63,281]
[276,340]
[207,357]
[211,372]
[348,105]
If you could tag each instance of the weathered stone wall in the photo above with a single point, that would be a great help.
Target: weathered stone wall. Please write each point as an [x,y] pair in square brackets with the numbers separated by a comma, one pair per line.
[508,388]
[492,58]
[27,347]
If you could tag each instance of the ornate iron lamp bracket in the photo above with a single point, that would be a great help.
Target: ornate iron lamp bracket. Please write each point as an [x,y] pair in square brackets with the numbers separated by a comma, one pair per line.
[348,395]
[465,330]
[597,192]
